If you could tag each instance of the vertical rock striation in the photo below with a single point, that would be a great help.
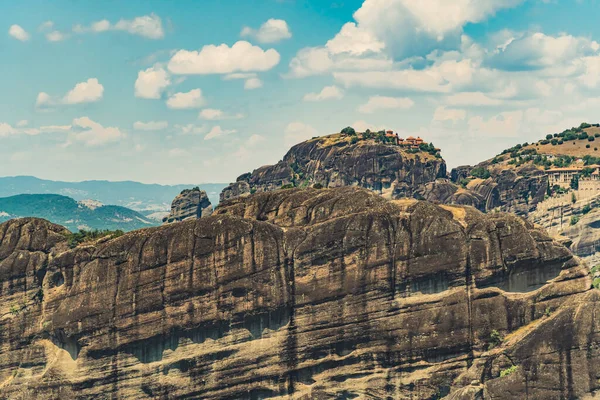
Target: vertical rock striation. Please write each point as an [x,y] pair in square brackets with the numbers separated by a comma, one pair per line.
[299,294]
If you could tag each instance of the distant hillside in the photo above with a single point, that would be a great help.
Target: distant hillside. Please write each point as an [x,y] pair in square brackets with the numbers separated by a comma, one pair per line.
[72,214]
[134,195]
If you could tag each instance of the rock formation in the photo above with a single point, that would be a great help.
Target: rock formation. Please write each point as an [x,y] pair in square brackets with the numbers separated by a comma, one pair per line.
[337,160]
[189,204]
[299,294]
[517,190]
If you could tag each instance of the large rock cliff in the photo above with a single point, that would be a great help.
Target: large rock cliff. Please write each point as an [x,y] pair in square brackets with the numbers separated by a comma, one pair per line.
[299,294]
[189,204]
[517,190]
[338,160]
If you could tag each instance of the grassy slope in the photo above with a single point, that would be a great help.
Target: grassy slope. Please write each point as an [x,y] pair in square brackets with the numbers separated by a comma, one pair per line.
[67,212]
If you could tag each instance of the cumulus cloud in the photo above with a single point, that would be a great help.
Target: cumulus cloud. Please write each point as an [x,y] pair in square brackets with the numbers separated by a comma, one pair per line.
[84,92]
[17,32]
[211,114]
[22,123]
[253,83]
[217,132]
[501,125]
[354,40]
[272,31]
[319,60]
[186,100]
[150,125]
[409,27]
[91,133]
[190,129]
[441,77]
[255,140]
[443,114]
[328,92]
[376,103]
[152,82]
[148,26]
[56,36]
[297,132]
[362,126]
[537,51]
[472,99]
[239,75]
[222,59]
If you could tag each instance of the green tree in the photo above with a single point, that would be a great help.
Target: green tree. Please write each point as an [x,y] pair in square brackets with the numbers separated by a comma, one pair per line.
[348,131]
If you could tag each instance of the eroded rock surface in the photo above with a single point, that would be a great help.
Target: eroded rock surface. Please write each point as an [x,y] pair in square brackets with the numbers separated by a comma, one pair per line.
[189,204]
[336,161]
[299,294]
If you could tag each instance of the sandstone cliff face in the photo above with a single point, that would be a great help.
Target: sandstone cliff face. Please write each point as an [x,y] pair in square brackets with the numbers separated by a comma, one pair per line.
[189,204]
[299,294]
[516,190]
[334,161]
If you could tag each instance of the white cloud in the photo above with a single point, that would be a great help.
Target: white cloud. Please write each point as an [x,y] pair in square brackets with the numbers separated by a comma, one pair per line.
[319,60]
[150,125]
[91,133]
[148,26]
[211,114]
[6,130]
[354,40]
[253,83]
[472,99]
[152,82]
[18,33]
[22,123]
[187,100]
[46,26]
[101,26]
[55,36]
[362,126]
[537,50]
[297,132]
[217,132]
[239,75]
[376,103]
[190,129]
[441,77]
[222,59]
[272,31]
[84,92]
[328,92]
[409,27]
[454,115]
[255,140]
[502,125]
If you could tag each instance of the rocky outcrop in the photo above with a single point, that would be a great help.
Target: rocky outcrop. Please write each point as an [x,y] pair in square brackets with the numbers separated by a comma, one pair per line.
[189,204]
[236,189]
[517,190]
[299,294]
[337,160]
[577,223]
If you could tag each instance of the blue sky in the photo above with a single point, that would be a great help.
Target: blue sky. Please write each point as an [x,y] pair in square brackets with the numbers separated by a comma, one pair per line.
[195,91]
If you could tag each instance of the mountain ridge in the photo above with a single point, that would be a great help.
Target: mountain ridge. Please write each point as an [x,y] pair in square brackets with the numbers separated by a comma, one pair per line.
[72,214]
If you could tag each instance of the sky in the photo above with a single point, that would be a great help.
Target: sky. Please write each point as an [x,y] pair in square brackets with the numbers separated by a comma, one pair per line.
[203,91]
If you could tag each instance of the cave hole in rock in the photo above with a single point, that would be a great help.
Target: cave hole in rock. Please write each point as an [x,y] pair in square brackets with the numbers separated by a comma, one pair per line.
[429,284]
[65,342]
[152,349]
[523,277]
[57,279]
